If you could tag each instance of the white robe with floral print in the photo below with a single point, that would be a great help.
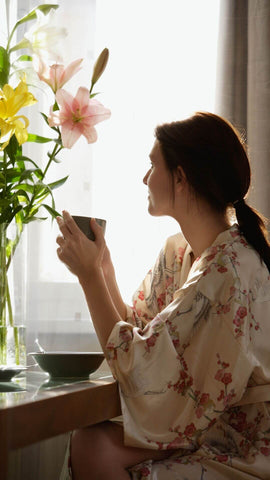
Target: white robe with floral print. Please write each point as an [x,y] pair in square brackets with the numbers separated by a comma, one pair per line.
[195,338]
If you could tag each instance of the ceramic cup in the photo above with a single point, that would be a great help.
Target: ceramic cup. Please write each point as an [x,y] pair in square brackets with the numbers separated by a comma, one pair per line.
[84,224]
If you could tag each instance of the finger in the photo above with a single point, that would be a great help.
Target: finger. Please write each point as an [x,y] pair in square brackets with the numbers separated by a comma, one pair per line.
[60,240]
[70,223]
[59,253]
[97,230]
[64,228]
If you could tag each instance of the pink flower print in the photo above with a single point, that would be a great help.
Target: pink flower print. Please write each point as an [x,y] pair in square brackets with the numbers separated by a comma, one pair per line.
[226,308]
[169,281]
[145,471]
[237,321]
[210,257]
[181,252]
[222,269]
[141,295]
[77,116]
[228,398]
[243,241]
[227,378]
[208,270]
[125,334]
[199,412]
[151,341]
[204,398]
[190,430]
[241,312]
[161,300]
[212,254]
[112,352]
[265,451]
[219,375]
[222,458]
[232,291]
[176,443]
[221,395]
[234,233]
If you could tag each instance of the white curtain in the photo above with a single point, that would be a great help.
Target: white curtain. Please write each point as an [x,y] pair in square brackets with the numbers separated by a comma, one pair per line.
[243,85]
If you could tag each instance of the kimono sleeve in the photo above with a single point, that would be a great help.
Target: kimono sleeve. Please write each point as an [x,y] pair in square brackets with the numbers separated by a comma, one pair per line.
[179,374]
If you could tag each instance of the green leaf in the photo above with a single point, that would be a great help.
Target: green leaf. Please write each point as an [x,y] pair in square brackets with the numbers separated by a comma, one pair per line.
[58,183]
[94,94]
[26,187]
[23,158]
[13,148]
[22,193]
[13,175]
[51,210]
[33,219]
[45,8]
[24,58]
[4,66]
[39,139]
[28,174]
[45,117]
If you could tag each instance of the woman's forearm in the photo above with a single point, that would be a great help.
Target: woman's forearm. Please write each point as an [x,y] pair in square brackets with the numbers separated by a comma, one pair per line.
[114,291]
[103,309]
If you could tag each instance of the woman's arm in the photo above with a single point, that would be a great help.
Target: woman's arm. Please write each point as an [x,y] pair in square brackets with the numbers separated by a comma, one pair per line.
[84,258]
[110,279]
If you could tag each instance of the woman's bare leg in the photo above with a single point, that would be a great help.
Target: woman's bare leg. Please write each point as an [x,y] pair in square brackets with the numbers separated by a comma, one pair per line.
[98,453]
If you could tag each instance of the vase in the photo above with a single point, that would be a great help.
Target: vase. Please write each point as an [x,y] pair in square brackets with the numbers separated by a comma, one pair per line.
[13,345]
[12,295]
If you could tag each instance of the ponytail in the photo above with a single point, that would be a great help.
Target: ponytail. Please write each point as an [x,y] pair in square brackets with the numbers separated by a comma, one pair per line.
[214,157]
[252,226]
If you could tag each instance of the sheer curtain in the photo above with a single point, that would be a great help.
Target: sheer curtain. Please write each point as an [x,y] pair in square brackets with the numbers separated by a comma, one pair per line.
[162,67]
[243,93]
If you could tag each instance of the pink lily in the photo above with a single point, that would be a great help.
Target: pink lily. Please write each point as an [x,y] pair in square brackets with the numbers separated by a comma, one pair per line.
[77,116]
[56,75]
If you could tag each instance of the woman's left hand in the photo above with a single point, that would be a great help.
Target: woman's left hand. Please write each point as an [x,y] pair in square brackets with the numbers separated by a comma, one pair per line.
[81,255]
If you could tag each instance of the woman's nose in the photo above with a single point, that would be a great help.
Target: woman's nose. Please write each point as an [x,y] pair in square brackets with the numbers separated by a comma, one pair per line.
[145,178]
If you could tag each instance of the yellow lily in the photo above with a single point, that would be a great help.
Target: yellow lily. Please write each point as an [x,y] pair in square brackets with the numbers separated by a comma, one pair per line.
[11,101]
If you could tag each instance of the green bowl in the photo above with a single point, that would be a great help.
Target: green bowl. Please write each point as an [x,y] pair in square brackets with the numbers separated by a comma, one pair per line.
[69,364]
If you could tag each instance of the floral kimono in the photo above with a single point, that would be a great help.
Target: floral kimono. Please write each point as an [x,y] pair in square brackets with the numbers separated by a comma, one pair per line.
[197,336]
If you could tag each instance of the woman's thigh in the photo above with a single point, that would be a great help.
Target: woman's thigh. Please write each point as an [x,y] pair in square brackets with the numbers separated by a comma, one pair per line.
[103,444]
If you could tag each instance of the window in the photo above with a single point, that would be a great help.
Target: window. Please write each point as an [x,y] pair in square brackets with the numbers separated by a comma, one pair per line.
[162,67]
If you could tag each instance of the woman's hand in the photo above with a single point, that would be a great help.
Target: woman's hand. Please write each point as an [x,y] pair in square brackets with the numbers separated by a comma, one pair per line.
[82,256]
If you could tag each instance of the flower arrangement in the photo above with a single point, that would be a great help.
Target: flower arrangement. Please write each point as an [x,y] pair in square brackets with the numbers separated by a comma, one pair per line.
[23,187]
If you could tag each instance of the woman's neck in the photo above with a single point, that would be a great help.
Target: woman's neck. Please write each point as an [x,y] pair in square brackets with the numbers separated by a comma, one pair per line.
[201,228]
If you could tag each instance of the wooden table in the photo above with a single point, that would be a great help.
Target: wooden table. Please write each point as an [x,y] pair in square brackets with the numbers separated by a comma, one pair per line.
[39,409]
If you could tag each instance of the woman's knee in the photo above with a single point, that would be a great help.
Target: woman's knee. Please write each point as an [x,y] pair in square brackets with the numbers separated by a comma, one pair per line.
[87,440]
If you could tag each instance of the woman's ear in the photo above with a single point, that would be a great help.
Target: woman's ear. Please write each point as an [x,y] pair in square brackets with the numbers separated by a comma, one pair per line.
[180,177]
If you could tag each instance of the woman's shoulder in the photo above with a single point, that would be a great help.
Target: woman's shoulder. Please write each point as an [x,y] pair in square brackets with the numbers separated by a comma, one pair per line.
[232,261]
[176,242]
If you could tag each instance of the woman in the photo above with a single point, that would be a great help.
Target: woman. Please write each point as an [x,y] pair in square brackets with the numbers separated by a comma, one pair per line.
[198,334]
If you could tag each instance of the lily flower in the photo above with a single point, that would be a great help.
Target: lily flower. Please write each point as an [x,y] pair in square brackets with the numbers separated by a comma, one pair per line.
[56,75]
[77,116]
[42,37]
[11,101]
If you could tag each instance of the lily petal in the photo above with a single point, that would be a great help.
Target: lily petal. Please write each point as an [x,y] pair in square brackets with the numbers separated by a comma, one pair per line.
[70,135]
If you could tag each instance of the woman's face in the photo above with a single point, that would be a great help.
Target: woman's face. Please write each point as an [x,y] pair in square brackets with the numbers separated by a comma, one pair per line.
[159,182]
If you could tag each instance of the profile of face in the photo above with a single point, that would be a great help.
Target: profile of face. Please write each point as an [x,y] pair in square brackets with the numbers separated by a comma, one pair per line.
[159,182]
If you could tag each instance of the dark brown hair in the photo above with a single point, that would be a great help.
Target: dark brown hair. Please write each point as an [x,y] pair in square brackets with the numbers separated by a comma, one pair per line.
[214,158]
